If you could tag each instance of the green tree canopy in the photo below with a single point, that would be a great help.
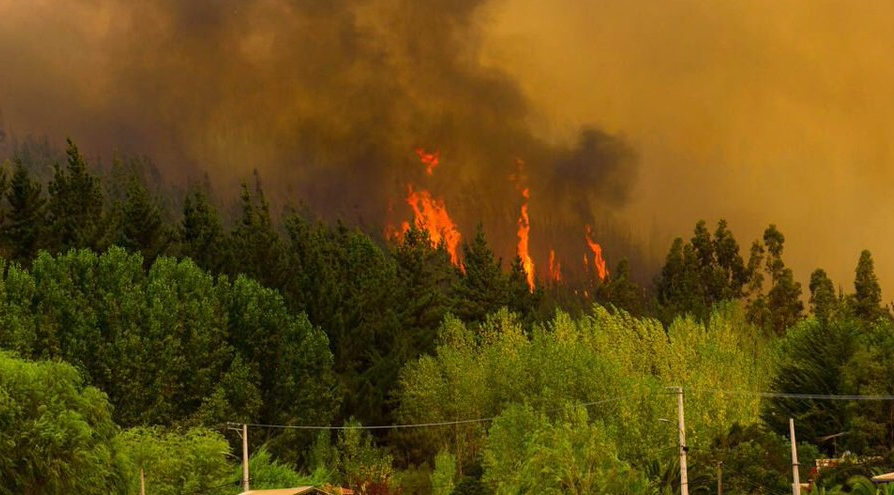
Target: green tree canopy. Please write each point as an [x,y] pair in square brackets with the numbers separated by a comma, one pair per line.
[57,433]
[177,462]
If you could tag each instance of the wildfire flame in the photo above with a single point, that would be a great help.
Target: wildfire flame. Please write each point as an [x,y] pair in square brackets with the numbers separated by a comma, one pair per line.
[429,159]
[598,261]
[524,225]
[524,229]
[431,216]
[555,267]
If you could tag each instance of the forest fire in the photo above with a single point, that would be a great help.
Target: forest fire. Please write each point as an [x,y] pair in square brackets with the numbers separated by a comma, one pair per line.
[598,260]
[524,225]
[431,216]
[524,230]
[429,159]
[555,267]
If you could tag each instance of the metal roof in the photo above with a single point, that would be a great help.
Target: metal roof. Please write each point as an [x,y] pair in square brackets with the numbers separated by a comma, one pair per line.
[301,490]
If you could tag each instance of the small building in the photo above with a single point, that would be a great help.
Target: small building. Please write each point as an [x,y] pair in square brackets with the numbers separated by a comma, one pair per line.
[301,490]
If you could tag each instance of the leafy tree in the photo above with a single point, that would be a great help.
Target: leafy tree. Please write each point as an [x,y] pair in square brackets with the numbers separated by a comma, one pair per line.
[477,374]
[730,273]
[266,472]
[291,357]
[443,478]
[528,453]
[867,300]
[784,302]
[18,331]
[57,434]
[75,206]
[679,289]
[363,466]
[172,345]
[701,273]
[781,306]
[176,462]
[739,450]
[21,233]
[183,345]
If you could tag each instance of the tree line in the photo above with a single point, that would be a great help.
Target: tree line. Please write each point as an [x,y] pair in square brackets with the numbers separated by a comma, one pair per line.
[146,331]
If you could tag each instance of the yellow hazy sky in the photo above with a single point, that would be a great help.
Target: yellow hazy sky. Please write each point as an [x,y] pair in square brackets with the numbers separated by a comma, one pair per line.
[753,111]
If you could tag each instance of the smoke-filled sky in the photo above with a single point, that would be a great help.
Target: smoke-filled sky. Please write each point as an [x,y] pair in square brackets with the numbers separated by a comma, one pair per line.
[657,113]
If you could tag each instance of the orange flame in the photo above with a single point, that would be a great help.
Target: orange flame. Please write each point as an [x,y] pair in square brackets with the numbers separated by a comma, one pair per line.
[524,225]
[555,267]
[598,261]
[524,229]
[431,216]
[429,159]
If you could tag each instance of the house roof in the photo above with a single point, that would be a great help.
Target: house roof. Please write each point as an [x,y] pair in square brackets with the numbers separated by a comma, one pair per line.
[300,490]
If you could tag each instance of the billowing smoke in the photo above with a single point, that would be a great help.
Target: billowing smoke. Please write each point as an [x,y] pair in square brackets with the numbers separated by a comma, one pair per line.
[327,99]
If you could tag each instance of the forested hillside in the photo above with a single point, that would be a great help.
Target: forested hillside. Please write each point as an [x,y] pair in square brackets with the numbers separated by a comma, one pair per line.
[139,324]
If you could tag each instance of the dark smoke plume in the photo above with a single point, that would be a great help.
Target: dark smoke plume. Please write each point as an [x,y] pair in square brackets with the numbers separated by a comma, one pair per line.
[326,98]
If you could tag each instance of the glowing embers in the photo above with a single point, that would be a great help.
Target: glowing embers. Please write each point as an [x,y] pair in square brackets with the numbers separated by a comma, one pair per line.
[430,160]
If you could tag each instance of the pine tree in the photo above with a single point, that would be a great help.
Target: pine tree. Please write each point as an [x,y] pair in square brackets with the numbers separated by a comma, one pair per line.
[75,207]
[4,184]
[22,231]
[201,235]
[522,300]
[141,225]
[619,290]
[823,302]
[256,247]
[482,287]
[426,278]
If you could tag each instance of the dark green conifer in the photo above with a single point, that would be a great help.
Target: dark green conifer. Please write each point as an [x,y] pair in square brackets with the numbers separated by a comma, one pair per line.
[22,229]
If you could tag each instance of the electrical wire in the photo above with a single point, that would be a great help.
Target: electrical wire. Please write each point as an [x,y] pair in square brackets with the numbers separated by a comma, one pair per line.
[405,426]
[787,395]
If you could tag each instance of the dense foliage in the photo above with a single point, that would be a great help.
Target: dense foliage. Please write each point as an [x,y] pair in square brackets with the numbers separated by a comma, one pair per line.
[135,326]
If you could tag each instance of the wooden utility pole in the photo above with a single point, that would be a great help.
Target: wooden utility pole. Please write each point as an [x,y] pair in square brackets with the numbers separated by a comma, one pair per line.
[796,486]
[681,425]
[142,482]
[245,458]
[719,477]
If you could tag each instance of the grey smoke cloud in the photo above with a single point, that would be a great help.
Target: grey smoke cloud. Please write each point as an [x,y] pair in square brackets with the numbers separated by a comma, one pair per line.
[327,99]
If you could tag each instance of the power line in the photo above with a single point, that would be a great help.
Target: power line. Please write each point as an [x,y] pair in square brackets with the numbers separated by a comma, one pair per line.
[409,425]
[787,395]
